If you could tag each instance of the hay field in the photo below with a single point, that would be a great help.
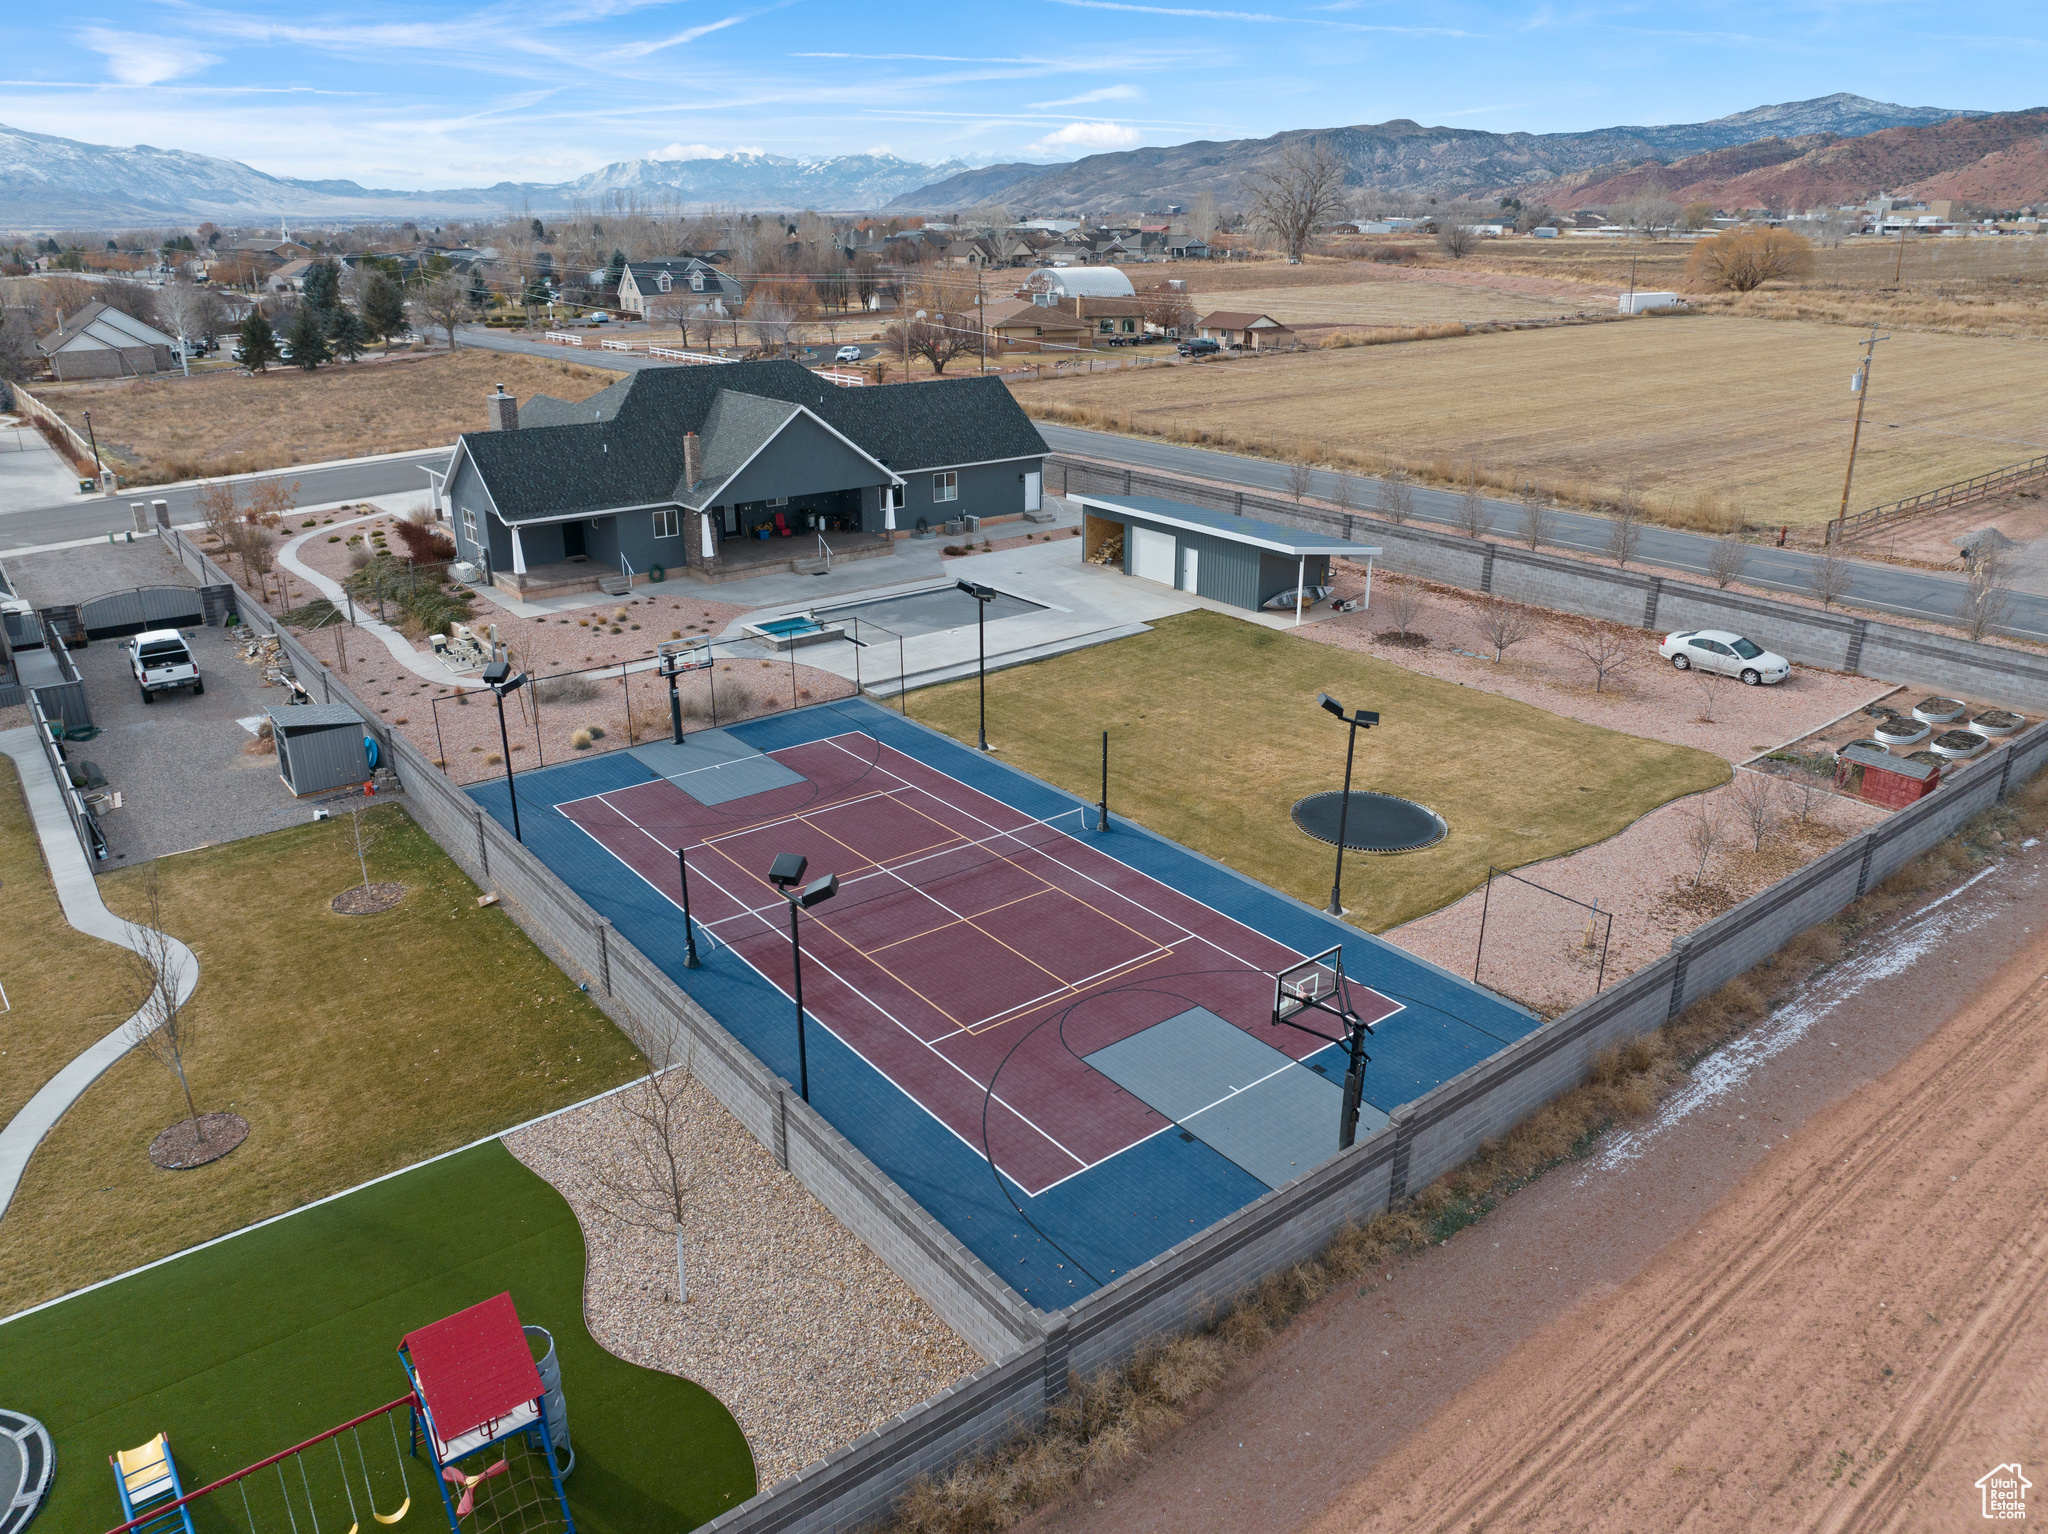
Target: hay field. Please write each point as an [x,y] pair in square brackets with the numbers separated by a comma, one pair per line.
[159,430]
[1754,411]
[1399,302]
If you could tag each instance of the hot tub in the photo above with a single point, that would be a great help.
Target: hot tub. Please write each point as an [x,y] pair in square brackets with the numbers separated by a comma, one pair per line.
[793,632]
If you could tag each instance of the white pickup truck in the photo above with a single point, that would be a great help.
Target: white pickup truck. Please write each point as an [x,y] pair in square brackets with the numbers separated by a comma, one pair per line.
[162,661]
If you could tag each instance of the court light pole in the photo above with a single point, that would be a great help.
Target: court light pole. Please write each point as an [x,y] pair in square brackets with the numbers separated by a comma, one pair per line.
[499,677]
[689,928]
[785,873]
[982,595]
[1364,719]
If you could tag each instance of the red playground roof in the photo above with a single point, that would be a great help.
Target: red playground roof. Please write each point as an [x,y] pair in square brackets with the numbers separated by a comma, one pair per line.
[473,1366]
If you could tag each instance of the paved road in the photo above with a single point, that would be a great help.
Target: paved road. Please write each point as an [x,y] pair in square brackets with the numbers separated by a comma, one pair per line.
[90,516]
[1877,588]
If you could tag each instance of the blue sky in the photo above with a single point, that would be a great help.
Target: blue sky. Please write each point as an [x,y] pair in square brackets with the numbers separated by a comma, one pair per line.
[435,94]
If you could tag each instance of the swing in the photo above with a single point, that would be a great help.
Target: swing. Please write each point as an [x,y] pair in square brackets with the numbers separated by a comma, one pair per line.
[405,1480]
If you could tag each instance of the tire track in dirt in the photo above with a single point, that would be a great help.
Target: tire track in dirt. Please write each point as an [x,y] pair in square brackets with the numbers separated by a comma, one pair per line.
[1629,1397]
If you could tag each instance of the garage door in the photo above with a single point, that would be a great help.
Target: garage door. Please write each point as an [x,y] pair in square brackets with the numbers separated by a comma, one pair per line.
[1152,555]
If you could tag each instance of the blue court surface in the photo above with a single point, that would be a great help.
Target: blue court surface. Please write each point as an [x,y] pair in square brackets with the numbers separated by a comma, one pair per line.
[1057,1040]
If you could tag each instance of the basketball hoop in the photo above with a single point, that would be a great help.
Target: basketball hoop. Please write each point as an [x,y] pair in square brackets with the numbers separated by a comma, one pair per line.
[1317,984]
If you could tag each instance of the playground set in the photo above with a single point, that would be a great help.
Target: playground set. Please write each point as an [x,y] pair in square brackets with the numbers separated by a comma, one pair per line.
[486,1416]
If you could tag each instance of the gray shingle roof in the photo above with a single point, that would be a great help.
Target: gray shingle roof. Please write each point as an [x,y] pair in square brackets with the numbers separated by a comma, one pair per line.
[631,453]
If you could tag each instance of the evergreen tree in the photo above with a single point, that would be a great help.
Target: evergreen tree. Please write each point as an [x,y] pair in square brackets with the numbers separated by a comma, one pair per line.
[258,347]
[538,292]
[347,334]
[384,307]
[323,289]
[479,291]
[616,272]
[308,337]
[539,233]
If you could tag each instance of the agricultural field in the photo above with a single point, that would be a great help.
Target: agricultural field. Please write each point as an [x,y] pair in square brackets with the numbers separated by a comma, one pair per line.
[1748,412]
[158,430]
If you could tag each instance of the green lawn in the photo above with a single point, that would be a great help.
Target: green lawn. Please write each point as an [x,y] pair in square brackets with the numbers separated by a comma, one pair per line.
[252,1345]
[54,975]
[353,1045]
[1215,733]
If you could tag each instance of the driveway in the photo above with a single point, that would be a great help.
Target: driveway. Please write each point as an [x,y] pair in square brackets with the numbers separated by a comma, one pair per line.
[178,763]
[31,473]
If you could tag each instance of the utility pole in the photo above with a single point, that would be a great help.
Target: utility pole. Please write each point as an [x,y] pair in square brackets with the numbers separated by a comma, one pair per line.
[1899,265]
[1860,382]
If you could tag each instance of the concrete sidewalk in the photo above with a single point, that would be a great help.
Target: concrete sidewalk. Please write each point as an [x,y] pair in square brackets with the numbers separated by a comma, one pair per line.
[78,892]
[31,473]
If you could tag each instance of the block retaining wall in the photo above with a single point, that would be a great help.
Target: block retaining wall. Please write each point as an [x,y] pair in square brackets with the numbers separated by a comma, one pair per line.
[1033,1352]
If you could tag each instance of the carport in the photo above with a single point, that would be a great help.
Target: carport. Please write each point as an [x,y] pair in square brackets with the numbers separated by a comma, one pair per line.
[1240,561]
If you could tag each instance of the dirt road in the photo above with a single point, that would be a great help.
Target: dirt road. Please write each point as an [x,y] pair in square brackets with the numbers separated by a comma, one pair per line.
[1801,1297]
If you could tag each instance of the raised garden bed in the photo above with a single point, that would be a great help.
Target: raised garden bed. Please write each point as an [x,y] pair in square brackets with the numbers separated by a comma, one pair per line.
[1900,731]
[1958,744]
[1939,710]
[1405,641]
[1997,721]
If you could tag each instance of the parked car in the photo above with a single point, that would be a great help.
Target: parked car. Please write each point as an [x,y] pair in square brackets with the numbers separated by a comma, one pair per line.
[162,661]
[847,354]
[1199,347]
[1730,654]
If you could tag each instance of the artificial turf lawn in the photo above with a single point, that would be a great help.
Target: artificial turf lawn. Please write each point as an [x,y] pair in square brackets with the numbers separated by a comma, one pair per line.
[267,1338]
[1214,734]
[353,1045]
[55,977]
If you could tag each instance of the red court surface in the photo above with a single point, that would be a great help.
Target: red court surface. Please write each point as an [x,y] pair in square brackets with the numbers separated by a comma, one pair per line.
[968,944]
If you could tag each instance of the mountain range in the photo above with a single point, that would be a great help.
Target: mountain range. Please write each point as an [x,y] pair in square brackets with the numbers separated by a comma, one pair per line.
[1832,147]
[46,182]
[1405,158]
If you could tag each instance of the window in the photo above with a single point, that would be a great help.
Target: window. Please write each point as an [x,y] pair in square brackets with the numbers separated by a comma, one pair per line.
[662,282]
[696,282]
[896,497]
[946,486]
[1747,650]
[668,523]
[469,527]
[778,500]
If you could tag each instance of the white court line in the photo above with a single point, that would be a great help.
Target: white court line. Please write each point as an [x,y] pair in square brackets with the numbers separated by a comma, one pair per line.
[878,1008]
[1240,1091]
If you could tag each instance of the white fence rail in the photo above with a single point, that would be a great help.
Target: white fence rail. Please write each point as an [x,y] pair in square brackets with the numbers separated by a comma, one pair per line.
[673,355]
[844,380]
[564,337]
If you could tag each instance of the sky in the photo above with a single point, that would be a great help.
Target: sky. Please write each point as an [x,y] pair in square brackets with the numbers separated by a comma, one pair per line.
[431,94]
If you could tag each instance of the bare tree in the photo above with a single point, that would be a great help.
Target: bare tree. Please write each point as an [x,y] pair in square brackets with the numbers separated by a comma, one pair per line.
[1709,684]
[1300,479]
[1393,500]
[1626,533]
[158,1022]
[1756,807]
[1603,651]
[1344,494]
[1302,189]
[445,302]
[1403,603]
[363,837]
[1470,516]
[1725,559]
[1538,523]
[1456,240]
[1986,604]
[1829,577]
[1503,625]
[1705,830]
[649,1177]
[1803,796]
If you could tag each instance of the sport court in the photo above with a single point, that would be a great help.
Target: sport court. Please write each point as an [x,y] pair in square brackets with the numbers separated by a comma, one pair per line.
[1059,1041]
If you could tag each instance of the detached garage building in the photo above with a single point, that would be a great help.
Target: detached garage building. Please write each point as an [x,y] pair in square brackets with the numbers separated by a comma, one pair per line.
[1237,560]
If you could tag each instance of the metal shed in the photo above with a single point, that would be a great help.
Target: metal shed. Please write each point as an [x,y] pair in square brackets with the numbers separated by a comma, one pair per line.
[1238,560]
[320,746]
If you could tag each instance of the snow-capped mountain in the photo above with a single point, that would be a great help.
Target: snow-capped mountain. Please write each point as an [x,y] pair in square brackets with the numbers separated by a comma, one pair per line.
[47,181]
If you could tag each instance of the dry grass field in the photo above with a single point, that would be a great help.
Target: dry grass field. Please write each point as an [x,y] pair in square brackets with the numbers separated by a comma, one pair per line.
[1405,300]
[158,430]
[1746,412]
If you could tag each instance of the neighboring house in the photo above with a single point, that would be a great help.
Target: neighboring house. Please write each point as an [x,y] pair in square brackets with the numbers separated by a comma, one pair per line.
[975,252]
[1022,326]
[1241,327]
[1067,253]
[100,342]
[279,251]
[719,470]
[680,284]
[289,278]
[1187,247]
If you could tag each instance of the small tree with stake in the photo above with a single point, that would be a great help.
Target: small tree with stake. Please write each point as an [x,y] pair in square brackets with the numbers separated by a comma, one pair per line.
[648,1180]
[1393,500]
[1704,832]
[1986,604]
[1300,479]
[1725,559]
[1537,521]
[1503,625]
[158,1022]
[1604,652]
[1829,578]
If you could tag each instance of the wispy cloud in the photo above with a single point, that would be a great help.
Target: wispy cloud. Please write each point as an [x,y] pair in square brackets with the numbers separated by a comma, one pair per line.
[1265,18]
[1086,98]
[135,59]
[1085,138]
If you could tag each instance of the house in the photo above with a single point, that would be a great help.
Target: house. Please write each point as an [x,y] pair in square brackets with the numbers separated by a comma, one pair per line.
[1241,327]
[681,283]
[289,278]
[972,252]
[731,469]
[1187,247]
[1020,325]
[102,342]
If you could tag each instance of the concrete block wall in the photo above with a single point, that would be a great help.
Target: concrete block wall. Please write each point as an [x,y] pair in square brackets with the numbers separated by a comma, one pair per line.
[1839,641]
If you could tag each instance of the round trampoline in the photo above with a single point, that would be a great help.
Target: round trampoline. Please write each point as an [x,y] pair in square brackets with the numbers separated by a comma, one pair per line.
[1376,823]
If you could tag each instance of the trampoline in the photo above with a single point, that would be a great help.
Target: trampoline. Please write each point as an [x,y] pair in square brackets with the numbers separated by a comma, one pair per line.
[27,1463]
[1377,822]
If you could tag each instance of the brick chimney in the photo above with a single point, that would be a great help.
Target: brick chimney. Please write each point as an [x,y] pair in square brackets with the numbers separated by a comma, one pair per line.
[504,409]
[693,461]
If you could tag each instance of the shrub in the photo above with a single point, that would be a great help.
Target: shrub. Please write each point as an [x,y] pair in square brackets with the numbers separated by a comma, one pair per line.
[581,740]
[573,688]
[1747,257]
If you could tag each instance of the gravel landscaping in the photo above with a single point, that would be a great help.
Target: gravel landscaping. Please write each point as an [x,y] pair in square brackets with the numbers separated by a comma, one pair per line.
[804,1334]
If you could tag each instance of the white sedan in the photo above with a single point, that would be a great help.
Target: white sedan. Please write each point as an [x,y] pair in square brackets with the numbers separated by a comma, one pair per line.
[1730,654]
